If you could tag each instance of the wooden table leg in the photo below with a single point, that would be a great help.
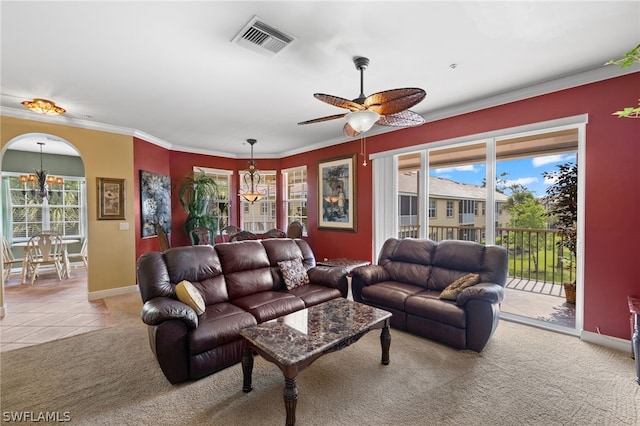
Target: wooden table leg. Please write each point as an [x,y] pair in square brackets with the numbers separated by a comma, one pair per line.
[385,342]
[290,399]
[247,368]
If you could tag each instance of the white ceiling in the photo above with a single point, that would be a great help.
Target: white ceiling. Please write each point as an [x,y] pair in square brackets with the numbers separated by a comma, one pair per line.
[169,73]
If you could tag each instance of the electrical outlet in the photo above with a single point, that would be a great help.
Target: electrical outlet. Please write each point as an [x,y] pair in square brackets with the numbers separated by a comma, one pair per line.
[124,226]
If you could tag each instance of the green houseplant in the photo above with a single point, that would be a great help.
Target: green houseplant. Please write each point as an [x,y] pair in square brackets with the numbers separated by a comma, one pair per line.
[197,194]
[564,196]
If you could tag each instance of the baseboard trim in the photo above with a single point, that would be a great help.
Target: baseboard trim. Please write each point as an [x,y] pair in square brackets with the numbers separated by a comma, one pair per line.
[97,295]
[608,341]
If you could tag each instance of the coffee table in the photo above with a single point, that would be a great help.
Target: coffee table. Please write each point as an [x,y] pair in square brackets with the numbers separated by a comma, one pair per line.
[294,341]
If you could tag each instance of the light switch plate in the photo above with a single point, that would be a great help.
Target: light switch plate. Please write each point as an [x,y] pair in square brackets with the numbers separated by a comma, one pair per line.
[124,226]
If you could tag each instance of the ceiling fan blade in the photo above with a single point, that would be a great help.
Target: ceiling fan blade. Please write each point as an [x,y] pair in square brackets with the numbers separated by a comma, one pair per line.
[393,101]
[350,131]
[339,102]
[401,119]
[320,120]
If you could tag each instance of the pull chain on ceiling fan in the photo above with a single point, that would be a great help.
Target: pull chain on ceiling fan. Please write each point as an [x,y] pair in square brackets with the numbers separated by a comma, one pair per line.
[388,108]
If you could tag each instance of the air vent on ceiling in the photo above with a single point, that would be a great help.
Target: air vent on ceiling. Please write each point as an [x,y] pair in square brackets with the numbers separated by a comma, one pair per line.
[263,38]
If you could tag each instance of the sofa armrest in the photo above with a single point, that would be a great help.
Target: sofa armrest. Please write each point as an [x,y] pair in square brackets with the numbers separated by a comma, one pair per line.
[370,274]
[328,276]
[160,309]
[489,292]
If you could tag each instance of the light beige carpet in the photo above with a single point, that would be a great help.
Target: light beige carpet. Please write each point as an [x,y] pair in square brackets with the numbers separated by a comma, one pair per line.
[525,376]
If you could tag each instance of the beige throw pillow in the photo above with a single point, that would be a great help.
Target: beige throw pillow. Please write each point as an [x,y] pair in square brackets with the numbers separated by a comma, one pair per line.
[189,295]
[452,290]
[293,273]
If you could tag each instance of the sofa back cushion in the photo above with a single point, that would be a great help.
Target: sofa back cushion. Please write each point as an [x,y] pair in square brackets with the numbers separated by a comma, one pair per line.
[408,260]
[199,265]
[282,249]
[159,273]
[246,267]
[455,258]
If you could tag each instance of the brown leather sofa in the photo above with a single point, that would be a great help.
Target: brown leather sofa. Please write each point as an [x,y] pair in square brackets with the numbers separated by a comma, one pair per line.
[408,280]
[241,285]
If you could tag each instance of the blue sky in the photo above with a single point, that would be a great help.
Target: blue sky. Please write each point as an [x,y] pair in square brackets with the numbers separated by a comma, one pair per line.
[527,171]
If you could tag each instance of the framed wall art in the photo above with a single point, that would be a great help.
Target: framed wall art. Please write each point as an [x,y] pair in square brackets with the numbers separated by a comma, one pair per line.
[155,200]
[337,193]
[110,199]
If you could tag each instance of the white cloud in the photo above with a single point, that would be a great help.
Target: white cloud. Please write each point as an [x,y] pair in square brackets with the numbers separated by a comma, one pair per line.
[549,159]
[468,168]
[524,181]
[551,179]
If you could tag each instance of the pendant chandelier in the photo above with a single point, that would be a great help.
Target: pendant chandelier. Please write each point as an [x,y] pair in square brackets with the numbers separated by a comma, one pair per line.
[41,183]
[251,180]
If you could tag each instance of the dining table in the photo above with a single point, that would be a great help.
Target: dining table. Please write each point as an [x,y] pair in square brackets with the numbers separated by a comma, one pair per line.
[65,255]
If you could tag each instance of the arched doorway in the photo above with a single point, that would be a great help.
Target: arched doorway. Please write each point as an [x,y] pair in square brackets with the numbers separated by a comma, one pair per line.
[33,310]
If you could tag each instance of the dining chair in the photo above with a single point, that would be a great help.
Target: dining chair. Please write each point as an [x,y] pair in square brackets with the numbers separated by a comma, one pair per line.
[202,236]
[82,255]
[163,238]
[230,231]
[294,230]
[274,233]
[244,235]
[43,249]
[8,259]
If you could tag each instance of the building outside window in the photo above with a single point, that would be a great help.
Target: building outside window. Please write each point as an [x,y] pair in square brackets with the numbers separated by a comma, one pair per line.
[61,213]
[261,215]
[295,194]
[432,209]
[220,205]
[449,208]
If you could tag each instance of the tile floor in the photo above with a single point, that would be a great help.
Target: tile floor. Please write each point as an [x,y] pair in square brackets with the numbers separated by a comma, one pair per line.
[49,310]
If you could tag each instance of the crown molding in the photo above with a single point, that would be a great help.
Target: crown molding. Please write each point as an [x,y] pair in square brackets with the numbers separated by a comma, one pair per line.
[538,89]
[587,77]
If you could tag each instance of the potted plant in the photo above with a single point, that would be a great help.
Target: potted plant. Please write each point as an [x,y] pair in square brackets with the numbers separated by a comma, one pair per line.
[197,194]
[564,201]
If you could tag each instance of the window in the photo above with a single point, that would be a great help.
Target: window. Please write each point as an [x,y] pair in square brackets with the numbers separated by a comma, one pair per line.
[261,215]
[449,208]
[295,195]
[467,207]
[64,209]
[221,204]
[432,208]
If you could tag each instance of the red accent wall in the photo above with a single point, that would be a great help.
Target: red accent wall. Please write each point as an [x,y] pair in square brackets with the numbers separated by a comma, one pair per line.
[612,238]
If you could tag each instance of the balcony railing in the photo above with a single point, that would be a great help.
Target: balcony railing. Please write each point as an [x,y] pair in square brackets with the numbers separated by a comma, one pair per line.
[535,255]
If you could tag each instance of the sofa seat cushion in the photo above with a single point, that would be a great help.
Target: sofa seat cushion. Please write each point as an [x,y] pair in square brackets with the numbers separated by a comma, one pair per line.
[314,294]
[268,305]
[427,304]
[219,324]
[389,293]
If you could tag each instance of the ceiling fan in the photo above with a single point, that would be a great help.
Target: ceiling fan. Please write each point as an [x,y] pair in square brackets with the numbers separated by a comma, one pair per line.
[388,108]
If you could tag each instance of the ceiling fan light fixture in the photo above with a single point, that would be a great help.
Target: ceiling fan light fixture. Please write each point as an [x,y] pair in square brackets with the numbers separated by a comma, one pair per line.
[43,106]
[362,121]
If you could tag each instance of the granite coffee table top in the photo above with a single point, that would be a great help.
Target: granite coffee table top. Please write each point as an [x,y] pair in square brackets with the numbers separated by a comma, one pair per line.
[311,332]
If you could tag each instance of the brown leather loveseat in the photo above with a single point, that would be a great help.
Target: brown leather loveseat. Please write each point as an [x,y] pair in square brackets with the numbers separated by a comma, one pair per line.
[409,280]
[241,284]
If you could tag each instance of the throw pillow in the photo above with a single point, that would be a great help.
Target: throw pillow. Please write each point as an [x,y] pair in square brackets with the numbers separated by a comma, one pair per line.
[188,294]
[452,290]
[293,273]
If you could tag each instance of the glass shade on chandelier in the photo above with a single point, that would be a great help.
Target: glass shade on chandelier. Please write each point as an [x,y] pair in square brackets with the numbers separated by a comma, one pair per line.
[251,180]
[362,121]
[41,183]
[43,106]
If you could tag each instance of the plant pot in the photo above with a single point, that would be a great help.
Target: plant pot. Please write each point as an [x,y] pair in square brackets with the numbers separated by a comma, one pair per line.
[570,292]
